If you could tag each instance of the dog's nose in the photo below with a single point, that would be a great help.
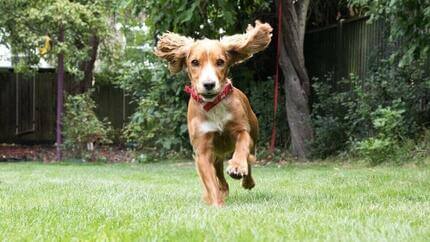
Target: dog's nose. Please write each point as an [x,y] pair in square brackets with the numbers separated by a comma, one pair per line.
[209,85]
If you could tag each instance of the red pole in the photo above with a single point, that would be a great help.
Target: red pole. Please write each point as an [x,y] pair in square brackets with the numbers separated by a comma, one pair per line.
[60,87]
[275,94]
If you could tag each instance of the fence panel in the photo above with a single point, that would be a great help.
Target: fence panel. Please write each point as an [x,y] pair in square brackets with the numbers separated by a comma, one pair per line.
[351,46]
[114,104]
[34,119]
[25,98]
[7,105]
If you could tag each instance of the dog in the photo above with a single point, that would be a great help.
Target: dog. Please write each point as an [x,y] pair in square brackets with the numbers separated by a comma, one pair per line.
[220,119]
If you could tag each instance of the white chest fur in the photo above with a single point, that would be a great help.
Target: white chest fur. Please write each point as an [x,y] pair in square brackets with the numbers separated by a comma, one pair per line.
[217,117]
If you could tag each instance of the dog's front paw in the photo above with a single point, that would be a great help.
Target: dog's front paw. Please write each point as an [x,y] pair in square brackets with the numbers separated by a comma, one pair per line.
[237,169]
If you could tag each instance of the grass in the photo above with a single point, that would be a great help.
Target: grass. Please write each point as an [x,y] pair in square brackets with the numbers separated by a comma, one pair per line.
[324,202]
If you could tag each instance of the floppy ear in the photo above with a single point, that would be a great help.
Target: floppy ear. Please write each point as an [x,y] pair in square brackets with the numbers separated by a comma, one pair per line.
[174,48]
[241,47]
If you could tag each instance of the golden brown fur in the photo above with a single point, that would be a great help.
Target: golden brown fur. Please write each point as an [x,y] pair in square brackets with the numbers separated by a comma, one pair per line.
[230,127]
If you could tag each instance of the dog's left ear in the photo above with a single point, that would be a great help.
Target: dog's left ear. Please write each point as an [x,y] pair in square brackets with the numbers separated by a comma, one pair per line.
[174,48]
[241,47]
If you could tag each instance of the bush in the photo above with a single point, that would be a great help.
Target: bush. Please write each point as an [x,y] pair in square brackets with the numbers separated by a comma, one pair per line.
[376,150]
[82,129]
[149,129]
[388,123]
[158,125]
[373,114]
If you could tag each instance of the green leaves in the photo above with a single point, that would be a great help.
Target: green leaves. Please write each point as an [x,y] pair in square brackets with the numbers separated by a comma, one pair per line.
[81,125]
[198,18]
[389,124]
[159,122]
[25,22]
[409,21]
[375,112]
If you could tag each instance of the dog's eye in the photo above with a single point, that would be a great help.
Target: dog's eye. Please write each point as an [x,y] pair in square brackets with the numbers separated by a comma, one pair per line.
[220,62]
[195,63]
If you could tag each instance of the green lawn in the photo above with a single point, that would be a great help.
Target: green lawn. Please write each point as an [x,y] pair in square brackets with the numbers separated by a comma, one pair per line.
[330,202]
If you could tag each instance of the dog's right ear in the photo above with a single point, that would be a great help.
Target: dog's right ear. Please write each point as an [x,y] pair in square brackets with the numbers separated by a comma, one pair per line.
[174,48]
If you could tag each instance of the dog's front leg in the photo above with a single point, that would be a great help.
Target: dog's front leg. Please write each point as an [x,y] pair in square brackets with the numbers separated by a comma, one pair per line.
[205,160]
[238,165]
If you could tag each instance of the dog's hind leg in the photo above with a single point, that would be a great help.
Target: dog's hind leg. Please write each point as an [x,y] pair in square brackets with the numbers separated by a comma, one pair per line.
[248,181]
[223,185]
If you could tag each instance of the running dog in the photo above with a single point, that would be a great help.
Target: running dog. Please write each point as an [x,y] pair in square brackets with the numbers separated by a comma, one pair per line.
[220,119]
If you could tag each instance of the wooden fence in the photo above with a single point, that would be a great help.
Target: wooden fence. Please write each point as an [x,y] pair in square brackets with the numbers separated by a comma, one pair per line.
[28,104]
[351,46]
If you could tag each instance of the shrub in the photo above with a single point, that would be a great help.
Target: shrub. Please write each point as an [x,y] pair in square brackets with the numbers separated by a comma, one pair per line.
[82,128]
[356,112]
[388,123]
[376,150]
[149,129]
[158,125]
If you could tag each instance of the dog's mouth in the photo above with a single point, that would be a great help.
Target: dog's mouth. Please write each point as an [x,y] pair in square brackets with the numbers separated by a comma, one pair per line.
[209,96]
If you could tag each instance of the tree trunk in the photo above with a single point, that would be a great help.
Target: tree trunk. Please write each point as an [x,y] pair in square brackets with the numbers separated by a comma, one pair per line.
[86,66]
[297,84]
[60,85]
[89,64]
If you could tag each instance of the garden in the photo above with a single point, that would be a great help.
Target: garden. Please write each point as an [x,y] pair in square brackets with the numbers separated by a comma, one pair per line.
[94,141]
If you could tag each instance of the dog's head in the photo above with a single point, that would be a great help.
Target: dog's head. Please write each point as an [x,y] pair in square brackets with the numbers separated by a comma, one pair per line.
[207,61]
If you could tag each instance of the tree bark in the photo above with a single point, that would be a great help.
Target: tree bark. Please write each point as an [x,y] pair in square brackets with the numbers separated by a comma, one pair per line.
[297,84]
[86,66]
[60,85]
[89,64]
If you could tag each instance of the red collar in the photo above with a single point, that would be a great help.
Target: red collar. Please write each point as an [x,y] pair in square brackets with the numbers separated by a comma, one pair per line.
[228,88]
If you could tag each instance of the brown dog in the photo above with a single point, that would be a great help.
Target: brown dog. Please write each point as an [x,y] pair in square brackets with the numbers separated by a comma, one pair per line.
[220,118]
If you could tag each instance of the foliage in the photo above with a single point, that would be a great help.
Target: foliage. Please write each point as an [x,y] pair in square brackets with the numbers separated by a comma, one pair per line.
[160,119]
[26,23]
[355,109]
[326,12]
[388,123]
[409,21]
[81,125]
[377,150]
[198,18]
[259,94]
